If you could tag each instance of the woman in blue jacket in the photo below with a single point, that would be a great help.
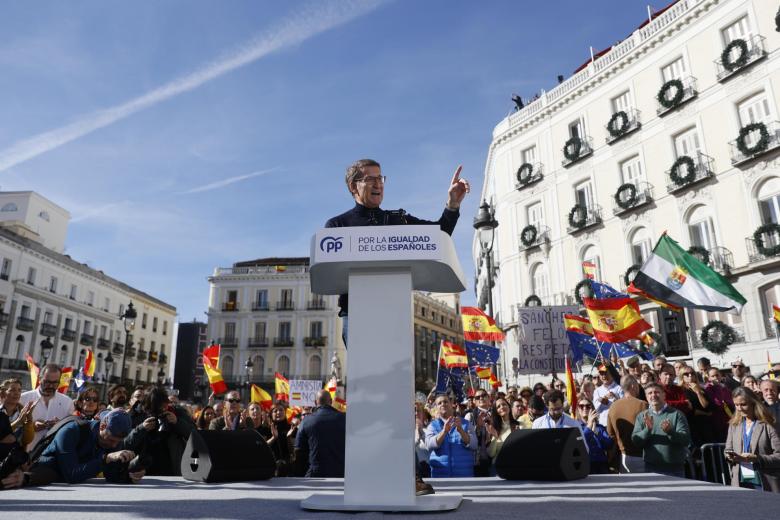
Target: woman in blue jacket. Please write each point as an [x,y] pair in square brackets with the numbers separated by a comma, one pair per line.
[596,435]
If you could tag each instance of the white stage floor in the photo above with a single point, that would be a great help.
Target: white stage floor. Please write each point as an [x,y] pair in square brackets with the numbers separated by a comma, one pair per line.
[599,496]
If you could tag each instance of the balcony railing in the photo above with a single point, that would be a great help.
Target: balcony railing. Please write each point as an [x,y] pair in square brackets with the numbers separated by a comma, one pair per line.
[703,166]
[642,197]
[48,330]
[755,52]
[25,324]
[230,307]
[316,305]
[163,358]
[283,342]
[588,216]
[68,335]
[689,92]
[87,339]
[770,240]
[3,319]
[259,342]
[103,343]
[259,306]
[722,260]
[542,237]
[529,174]
[620,128]
[131,352]
[228,342]
[285,306]
[118,348]
[143,355]
[585,151]
[315,341]
[753,147]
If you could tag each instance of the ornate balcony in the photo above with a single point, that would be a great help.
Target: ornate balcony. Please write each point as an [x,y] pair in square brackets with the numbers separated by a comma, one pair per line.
[259,306]
[584,218]
[619,127]
[48,330]
[284,342]
[315,341]
[528,174]
[163,358]
[575,153]
[87,340]
[257,342]
[143,355]
[285,306]
[131,352]
[533,238]
[68,335]
[228,342]
[674,100]
[316,305]
[765,138]
[769,247]
[753,52]
[25,324]
[118,348]
[230,307]
[703,169]
[103,343]
[627,200]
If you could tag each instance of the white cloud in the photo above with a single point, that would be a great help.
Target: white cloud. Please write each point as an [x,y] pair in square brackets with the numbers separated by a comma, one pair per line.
[227,182]
[302,25]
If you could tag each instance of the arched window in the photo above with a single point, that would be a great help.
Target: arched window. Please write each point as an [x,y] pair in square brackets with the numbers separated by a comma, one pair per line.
[227,365]
[539,282]
[769,201]
[9,207]
[315,366]
[701,228]
[641,245]
[283,365]
[259,365]
[591,254]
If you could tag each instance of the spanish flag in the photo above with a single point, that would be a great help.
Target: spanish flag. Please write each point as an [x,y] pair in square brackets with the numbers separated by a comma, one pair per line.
[571,393]
[494,381]
[479,326]
[212,352]
[639,292]
[578,324]
[215,376]
[65,376]
[776,313]
[34,371]
[331,386]
[589,270]
[280,268]
[282,387]
[89,364]
[340,405]
[453,356]
[261,397]
[292,411]
[615,320]
[484,372]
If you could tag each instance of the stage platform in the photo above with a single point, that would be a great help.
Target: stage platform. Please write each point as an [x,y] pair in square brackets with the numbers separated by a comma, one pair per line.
[599,496]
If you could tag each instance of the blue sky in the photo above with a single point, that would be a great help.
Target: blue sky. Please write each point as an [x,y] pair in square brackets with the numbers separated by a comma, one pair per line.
[187,135]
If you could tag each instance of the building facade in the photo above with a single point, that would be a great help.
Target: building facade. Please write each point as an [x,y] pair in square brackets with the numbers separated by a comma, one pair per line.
[264,311]
[189,378]
[674,129]
[45,294]
[436,318]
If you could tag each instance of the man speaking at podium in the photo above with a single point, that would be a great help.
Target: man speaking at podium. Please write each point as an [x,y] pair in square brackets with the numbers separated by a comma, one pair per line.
[366,183]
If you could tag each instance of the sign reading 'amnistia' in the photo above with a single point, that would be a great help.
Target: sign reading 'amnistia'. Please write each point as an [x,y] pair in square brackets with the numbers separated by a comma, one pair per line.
[542,339]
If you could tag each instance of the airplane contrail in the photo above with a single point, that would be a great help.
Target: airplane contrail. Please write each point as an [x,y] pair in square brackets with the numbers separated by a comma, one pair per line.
[226,182]
[297,28]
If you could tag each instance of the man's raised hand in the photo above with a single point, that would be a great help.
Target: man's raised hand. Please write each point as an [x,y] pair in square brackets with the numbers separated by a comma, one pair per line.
[458,189]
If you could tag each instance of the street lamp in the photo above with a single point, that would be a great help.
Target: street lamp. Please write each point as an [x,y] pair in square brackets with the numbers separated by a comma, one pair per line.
[46,348]
[249,367]
[161,377]
[128,321]
[486,224]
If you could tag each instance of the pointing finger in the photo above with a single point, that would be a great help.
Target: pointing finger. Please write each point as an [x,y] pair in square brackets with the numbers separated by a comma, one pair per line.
[456,176]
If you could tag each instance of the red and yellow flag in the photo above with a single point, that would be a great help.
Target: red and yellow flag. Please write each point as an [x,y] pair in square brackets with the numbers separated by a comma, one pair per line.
[218,384]
[479,326]
[776,313]
[280,268]
[494,381]
[89,364]
[34,371]
[571,392]
[578,324]
[589,270]
[639,292]
[261,397]
[292,411]
[484,372]
[65,376]
[331,386]
[282,387]
[212,352]
[340,404]
[615,320]
[453,356]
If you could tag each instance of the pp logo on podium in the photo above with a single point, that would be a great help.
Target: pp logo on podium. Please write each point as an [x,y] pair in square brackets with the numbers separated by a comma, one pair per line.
[331,244]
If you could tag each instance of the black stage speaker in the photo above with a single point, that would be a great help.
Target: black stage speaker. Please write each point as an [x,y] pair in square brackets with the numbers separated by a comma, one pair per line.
[549,454]
[227,456]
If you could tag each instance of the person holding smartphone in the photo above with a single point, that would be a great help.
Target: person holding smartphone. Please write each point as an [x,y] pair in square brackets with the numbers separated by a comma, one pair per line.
[753,444]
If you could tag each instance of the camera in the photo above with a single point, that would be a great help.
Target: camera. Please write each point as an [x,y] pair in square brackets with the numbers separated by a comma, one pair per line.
[138,463]
[16,458]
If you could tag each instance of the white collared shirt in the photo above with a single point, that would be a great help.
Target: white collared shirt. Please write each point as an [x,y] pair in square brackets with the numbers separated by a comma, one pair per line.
[60,406]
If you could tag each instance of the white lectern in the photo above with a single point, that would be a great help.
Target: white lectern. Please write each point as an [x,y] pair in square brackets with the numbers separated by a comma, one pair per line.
[379,266]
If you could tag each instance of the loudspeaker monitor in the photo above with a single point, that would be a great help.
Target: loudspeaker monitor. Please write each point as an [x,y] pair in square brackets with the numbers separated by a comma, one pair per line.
[227,456]
[546,454]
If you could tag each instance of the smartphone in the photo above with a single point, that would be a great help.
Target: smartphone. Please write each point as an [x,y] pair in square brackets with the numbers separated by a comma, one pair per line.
[729,453]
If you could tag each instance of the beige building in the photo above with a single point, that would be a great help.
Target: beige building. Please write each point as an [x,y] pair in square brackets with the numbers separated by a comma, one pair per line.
[644,139]
[436,318]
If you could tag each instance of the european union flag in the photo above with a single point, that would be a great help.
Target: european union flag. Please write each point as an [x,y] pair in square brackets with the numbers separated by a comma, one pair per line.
[447,378]
[481,355]
[585,345]
[602,291]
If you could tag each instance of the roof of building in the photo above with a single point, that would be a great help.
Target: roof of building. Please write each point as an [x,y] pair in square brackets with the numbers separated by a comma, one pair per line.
[84,268]
[274,260]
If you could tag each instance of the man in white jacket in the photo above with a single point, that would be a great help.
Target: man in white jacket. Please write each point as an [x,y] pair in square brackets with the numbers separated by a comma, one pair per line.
[52,405]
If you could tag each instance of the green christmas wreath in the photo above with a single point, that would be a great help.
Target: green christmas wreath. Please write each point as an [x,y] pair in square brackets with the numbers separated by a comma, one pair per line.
[629,201]
[761,145]
[716,337]
[585,283]
[525,173]
[528,235]
[741,59]
[686,162]
[700,253]
[578,211]
[616,129]
[533,301]
[627,276]
[572,149]
[758,236]
[676,99]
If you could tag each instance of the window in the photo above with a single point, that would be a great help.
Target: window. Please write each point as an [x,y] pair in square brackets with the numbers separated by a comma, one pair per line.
[144,318]
[577,128]
[232,301]
[583,194]
[737,30]
[25,312]
[529,155]
[535,215]
[227,365]
[165,328]
[259,364]
[31,276]
[754,109]
[287,297]
[631,171]
[284,329]
[675,70]
[769,201]
[687,143]
[315,329]
[262,298]
[90,298]
[106,304]
[621,102]
[68,323]
[283,365]
[9,207]
[47,317]
[154,324]
[152,345]
[149,376]
[539,282]
[260,328]
[141,343]
[591,254]
[103,332]
[74,290]
[230,330]
[44,215]
[53,284]
[315,365]
[770,295]
[88,327]
[641,246]
[701,228]
[5,271]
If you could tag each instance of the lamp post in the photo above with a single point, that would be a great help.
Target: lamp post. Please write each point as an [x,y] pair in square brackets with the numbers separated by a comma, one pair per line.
[128,321]
[46,348]
[161,377]
[109,364]
[249,367]
[485,224]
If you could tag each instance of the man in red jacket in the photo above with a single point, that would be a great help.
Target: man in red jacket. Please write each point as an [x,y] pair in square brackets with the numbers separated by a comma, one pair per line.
[674,394]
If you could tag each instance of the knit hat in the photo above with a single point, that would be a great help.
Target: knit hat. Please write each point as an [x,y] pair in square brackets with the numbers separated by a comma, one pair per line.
[117,421]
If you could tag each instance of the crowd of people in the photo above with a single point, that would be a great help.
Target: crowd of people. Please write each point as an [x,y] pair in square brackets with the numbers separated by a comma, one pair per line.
[633,417]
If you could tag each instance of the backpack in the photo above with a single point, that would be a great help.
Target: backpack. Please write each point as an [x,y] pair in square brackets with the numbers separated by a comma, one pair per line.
[84,428]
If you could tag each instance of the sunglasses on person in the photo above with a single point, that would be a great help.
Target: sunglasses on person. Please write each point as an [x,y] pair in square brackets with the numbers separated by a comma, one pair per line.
[584,406]
[233,400]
